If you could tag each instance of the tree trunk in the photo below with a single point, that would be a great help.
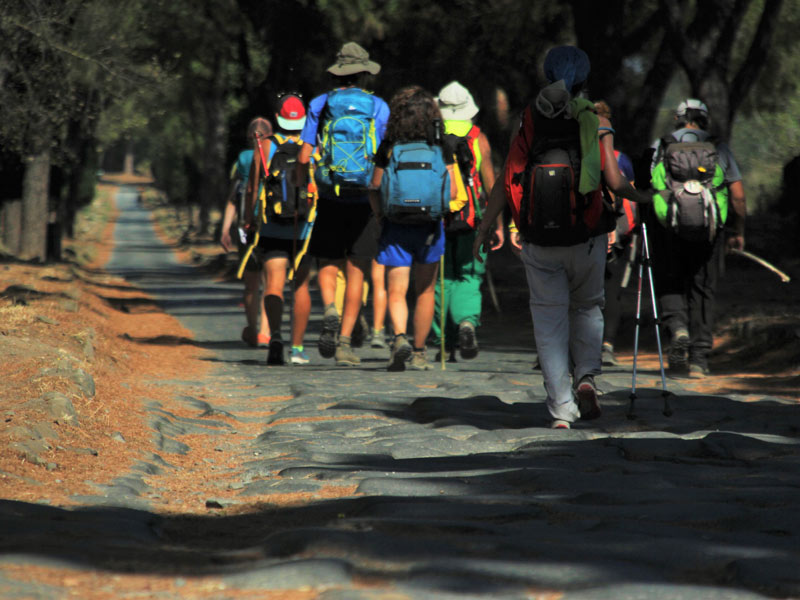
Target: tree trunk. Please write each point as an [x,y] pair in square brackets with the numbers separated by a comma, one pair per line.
[35,211]
[11,219]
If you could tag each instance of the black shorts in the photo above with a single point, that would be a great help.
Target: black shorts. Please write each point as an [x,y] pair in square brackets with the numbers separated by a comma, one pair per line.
[269,247]
[344,230]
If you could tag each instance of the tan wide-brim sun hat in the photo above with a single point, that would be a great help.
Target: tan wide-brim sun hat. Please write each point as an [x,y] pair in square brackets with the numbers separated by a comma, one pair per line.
[456,103]
[351,59]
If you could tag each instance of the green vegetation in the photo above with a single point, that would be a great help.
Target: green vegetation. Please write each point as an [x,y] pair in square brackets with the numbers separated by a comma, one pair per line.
[173,83]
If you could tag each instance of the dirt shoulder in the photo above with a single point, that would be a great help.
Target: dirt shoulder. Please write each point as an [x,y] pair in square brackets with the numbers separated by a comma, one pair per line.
[72,388]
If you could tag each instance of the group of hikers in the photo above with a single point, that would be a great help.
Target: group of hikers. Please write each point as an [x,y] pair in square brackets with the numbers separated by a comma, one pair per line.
[383,195]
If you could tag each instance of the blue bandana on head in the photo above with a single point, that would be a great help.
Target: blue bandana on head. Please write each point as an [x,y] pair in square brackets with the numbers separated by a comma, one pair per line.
[568,63]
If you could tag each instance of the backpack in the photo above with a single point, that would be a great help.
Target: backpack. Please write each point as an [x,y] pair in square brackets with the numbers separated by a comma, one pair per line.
[282,200]
[415,187]
[469,217]
[551,210]
[348,141]
[691,199]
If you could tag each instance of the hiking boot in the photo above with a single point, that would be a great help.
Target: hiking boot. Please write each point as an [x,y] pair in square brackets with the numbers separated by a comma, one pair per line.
[698,369]
[451,355]
[401,350]
[419,361]
[467,342]
[609,360]
[378,339]
[676,359]
[559,424]
[299,357]
[359,333]
[586,394]
[345,357]
[275,353]
[329,333]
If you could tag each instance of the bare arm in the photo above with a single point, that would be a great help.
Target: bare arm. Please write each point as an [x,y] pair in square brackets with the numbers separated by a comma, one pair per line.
[494,210]
[375,194]
[227,218]
[301,169]
[614,178]
[488,180]
[739,206]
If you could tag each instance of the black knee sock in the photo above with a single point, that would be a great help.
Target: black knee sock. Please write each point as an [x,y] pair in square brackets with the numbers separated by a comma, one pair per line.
[273,305]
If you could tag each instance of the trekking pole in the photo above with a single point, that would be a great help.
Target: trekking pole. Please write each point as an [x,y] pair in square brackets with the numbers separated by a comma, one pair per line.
[645,261]
[441,310]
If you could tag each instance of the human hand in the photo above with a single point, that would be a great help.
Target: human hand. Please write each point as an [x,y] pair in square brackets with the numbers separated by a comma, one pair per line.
[516,242]
[225,240]
[479,244]
[734,242]
[612,239]
[498,238]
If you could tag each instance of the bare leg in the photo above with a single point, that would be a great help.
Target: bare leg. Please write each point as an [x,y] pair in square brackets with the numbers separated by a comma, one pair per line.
[354,271]
[378,295]
[397,279]
[425,287]
[302,305]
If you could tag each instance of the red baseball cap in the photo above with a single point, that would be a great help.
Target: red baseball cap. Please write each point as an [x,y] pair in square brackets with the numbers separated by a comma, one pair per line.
[291,113]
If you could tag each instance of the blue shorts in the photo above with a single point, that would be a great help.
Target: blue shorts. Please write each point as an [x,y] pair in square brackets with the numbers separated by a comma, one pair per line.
[404,245]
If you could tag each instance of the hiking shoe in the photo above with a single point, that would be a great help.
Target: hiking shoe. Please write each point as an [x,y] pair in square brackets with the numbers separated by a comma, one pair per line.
[698,371]
[609,360]
[275,353]
[401,350]
[345,357]
[451,355]
[559,424]
[676,359]
[329,333]
[586,394]
[249,337]
[299,357]
[378,339]
[419,361]
[467,342]
[262,339]
[359,333]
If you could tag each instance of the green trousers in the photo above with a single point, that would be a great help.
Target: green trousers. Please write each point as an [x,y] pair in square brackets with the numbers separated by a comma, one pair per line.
[463,275]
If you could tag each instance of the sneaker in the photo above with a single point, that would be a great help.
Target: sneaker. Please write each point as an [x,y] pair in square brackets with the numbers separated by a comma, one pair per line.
[299,357]
[467,342]
[586,394]
[345,357]
[609,360]
[401,350]
[329,333]
[698,370]
[676,359]
[262,339]
[359,333]
[378,339]
[419,361]
[559,424]
[275,353]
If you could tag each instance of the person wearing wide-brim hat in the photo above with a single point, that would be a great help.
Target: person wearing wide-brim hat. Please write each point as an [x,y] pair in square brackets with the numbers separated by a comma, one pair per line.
[345,236]
[463,274]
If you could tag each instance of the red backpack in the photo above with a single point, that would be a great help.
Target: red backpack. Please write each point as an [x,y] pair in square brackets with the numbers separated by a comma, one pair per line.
[541,181]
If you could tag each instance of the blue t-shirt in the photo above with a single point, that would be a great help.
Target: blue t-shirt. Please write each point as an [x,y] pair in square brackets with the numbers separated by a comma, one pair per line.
[241,168]
[310,131]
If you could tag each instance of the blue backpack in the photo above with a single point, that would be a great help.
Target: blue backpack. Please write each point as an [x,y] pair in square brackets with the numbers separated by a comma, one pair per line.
[348,140]
[415,187]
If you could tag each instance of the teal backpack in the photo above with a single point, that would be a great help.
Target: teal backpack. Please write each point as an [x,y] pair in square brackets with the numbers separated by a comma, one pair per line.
[415,187]
[348,141]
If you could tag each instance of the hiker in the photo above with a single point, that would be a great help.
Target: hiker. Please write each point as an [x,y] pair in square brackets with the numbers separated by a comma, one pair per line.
[284,216]
[256,332]
[621,252]
[564,258]
[412,164]
[463,274]
[349,123]
[687,247]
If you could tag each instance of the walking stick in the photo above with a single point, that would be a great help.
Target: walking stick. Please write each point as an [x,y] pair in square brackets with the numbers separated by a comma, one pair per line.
[760,261]
[645,260]
[442,311]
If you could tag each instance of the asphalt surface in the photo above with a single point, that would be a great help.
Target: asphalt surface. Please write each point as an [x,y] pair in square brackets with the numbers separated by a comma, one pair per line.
[457,486]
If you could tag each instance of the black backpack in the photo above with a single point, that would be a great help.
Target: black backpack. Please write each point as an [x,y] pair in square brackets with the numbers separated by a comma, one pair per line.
[469,217]
[552,211]
[284,201]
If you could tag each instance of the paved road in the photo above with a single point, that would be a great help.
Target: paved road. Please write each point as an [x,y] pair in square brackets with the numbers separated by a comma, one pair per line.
[444,484]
